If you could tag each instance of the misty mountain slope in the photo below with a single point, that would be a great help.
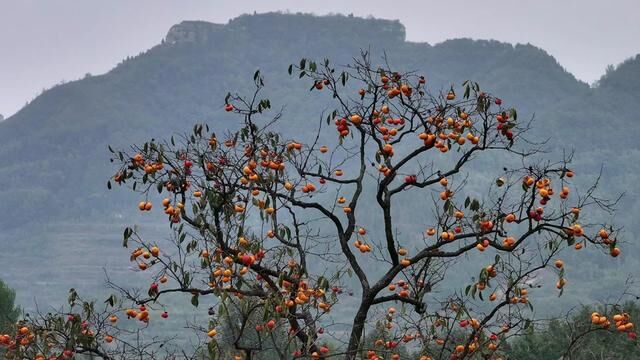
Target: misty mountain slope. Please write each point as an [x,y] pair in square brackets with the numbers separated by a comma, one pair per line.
[53,153]
[522,74]
[61,137]
[620,79]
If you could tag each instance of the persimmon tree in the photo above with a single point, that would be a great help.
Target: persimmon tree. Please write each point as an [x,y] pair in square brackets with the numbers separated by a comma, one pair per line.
[271,230]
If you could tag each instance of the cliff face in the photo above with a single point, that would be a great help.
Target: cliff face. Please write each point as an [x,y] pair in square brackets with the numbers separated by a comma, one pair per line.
[191,32]
[390,31]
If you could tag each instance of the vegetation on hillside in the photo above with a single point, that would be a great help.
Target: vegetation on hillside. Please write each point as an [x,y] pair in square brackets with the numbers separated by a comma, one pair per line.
[8,311]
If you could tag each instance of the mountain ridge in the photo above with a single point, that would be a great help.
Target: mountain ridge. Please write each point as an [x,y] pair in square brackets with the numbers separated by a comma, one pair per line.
[54,161]
[168,87]
[237,24]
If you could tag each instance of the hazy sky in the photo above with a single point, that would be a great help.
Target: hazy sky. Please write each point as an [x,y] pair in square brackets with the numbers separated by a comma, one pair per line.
[45,41]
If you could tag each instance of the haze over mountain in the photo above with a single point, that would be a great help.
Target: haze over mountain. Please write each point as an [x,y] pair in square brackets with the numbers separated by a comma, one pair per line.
[54,158]
[44,45]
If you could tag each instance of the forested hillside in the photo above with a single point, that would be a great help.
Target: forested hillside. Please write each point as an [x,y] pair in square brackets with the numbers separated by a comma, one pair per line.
[54,156]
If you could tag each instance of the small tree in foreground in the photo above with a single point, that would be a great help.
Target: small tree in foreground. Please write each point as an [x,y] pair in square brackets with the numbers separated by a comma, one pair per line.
[8,311]
[577,337]
[272,230]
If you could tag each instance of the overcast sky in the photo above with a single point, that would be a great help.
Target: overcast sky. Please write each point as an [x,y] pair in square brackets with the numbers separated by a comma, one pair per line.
[45,41]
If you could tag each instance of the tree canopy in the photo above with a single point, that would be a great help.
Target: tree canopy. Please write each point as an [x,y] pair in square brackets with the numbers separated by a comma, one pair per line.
[298,248]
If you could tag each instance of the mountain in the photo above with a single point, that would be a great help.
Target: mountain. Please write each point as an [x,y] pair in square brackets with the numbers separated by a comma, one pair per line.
[54,159]
[622,79]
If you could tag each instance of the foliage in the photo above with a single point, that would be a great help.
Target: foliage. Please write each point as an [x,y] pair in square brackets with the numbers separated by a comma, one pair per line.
[577,338]
[8,311]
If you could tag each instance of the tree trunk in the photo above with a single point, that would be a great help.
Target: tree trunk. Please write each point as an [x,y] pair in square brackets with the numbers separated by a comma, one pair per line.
[358,327]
